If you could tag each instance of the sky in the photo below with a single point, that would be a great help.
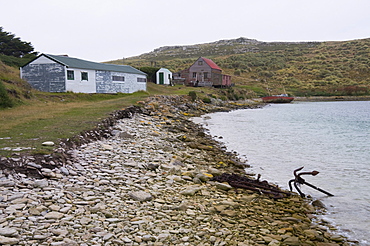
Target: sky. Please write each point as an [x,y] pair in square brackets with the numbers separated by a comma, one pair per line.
[105,30]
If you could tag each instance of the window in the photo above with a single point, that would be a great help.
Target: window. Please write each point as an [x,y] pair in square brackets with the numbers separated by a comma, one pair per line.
[118,78]
[200,63]
[205,75]
[141,79]
[70,75]
[194,74]
[84,76]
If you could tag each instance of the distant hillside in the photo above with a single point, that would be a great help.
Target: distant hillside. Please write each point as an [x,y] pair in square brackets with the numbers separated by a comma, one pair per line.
[219,48]
[301,68]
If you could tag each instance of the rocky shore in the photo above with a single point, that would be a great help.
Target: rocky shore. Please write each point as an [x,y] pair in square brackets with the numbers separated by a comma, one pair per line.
[146,177]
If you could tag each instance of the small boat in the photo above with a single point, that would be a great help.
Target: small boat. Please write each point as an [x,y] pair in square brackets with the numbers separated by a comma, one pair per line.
[283,98]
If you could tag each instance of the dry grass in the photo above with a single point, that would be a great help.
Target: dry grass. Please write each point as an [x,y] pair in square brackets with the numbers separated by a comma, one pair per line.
[54,116]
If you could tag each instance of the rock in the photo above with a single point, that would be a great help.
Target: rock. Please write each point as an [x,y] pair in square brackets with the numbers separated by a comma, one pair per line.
[106,146]
[141,196]
[252,224]
[8,232]
[292,241]
[8,240]
[214,171]
[107,236]
[223,186]
[312,234]
[42,183]
[319,204]
[204,177]
[54,215]
[190,191]
[230,213]
[64,170]
[34,165]
[274,243]
[48,143]
[125,135]
[7,183]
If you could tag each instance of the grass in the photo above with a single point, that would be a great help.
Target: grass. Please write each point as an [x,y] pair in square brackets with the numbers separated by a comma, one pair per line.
[55,116]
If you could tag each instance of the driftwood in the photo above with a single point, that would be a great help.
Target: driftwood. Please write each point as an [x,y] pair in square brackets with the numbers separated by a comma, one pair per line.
[256,185]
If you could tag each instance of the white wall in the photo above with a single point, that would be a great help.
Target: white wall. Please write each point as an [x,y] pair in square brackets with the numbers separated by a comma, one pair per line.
[42,60]
[166,74]
[79,85]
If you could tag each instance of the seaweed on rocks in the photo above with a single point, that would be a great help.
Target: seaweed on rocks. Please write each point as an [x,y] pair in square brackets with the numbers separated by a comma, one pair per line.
[241,181]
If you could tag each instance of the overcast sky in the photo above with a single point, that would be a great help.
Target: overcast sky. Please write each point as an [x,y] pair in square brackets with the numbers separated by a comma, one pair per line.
[103,30]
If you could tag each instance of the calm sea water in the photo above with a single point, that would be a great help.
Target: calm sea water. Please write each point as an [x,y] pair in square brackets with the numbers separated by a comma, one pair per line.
[330,137]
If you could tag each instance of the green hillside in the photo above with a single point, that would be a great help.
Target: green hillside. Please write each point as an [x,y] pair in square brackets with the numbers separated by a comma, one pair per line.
[300,68]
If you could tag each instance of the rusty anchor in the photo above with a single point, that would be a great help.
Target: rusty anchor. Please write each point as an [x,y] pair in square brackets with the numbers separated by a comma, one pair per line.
[298,180]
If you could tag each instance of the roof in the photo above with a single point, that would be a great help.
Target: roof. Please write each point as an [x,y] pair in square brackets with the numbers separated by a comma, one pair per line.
[79,63]
[164,69]
[211,63]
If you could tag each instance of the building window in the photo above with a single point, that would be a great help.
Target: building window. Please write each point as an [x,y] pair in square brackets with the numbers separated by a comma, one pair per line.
[205,74]
[194,74]
[70,75]
[84,76]
[118,78]
[141,79]
[200,63]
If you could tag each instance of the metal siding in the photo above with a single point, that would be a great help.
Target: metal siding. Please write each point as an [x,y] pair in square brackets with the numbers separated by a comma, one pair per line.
[104,83]
[45,77]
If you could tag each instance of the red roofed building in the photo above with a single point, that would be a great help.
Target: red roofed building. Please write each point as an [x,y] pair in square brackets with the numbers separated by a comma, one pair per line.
[204,72]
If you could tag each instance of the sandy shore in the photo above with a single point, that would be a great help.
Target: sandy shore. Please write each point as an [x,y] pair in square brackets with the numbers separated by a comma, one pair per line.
[145,176]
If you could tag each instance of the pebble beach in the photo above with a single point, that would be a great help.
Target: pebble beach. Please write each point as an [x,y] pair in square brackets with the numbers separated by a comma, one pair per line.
[148,180]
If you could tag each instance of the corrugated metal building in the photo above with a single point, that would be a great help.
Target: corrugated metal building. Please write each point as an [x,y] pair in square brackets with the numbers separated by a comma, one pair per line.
[52,73]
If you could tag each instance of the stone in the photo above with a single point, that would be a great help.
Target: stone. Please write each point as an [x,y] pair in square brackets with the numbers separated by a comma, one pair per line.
[190,191]
[7,183]
[48,143]
[230,213]
[54,215]
[64,170]
[141,196]
[42,183]
[8,240]
[8,232]
[312,234]
[294,241]
[223,186]
[318,204]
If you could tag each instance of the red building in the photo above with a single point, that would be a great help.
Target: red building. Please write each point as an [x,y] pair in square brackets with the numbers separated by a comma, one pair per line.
[204,72]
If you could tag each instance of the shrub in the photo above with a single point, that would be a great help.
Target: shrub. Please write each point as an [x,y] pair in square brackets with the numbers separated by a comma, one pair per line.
[5,101]
[193,95]
[206,100]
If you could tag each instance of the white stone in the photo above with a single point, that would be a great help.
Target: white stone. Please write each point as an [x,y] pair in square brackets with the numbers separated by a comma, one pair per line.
[48,143]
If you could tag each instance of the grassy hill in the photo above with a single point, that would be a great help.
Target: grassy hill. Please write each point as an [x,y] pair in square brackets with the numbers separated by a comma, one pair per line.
[300,68]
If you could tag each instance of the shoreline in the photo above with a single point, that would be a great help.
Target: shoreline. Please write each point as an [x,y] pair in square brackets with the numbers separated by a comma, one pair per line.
[332,98]
[144,178]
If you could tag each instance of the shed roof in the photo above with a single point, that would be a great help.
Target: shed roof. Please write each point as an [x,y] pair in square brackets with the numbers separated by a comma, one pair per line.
[79,63]
[211,63]
[164,69]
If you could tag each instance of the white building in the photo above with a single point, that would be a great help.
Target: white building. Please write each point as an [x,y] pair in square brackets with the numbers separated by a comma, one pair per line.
[53,73]
[164,76]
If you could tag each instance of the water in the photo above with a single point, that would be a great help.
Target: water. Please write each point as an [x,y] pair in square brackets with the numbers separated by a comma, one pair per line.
[330,137]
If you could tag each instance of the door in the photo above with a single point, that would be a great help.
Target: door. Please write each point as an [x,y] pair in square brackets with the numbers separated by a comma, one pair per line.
[161,78]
